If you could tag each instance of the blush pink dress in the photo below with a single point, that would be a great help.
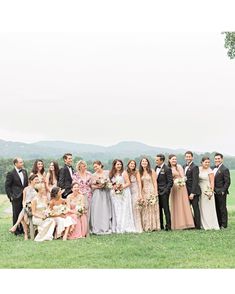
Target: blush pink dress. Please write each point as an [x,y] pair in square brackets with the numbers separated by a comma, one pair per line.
[181,214]
[81,226]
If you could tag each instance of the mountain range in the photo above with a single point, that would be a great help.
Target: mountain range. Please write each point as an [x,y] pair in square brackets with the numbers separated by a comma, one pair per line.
[56,149]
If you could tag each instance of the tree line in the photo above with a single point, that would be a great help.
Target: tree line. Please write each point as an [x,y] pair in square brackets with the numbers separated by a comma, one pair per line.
[7,165]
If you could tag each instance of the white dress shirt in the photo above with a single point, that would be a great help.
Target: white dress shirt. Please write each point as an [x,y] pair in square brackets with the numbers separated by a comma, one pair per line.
[20,175]
[187,167]
[70,170]
[159,168]
[216,169]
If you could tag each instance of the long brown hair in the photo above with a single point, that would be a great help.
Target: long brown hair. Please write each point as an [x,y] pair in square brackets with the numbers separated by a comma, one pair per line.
[169,164]
[56,169]
[113,170]
[35,168]
[141,170]
[129,171]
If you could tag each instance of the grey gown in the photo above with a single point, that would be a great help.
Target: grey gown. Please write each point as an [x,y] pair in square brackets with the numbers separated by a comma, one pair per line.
[100,209]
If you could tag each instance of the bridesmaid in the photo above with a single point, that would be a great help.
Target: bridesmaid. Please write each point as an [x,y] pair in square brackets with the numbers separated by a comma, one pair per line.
[209,219]
[73,201]
[121,199]
[64,222]
[150,213]
[44,225]
[181,214]
[135,189]
[52,176]
[101,209]
[39,170]
[83,178]
[28,194]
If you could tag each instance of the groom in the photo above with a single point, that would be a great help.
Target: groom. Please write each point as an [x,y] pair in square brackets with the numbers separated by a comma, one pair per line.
[191,171]
[65,175]
[222,183]
[164,184]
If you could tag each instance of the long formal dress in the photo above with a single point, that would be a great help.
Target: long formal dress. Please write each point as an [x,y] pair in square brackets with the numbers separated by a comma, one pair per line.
[150,214]
[122,208]
[61,222]
[81,224]
[209,219]
[134,197]
[181,214]
[101,208]
[45,227]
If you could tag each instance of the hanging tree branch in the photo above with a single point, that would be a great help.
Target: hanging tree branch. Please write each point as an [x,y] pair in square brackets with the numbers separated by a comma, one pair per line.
[229,43]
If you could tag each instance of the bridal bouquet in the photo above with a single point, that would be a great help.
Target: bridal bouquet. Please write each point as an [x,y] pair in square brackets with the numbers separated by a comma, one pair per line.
[209,192]
[119,187]
[180,182]
[151,200]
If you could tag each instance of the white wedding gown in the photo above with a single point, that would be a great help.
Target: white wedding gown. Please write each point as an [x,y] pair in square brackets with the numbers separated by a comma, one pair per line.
[123,221]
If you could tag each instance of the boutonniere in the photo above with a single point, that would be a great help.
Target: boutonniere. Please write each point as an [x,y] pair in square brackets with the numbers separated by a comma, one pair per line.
[219,172]
[162,172]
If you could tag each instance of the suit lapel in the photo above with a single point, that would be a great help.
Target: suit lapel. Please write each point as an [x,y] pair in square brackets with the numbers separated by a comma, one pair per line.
[17,177]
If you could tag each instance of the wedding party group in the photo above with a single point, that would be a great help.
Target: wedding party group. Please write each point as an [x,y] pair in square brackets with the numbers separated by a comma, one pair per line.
[71,204]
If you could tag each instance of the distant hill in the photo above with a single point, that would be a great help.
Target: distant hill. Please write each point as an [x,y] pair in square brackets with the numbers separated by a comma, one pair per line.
[55,149]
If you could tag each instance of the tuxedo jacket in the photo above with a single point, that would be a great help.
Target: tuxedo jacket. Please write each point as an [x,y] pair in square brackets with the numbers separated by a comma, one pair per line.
[222,180]
[13,185]
[65,179]
[164,180]
[192,182]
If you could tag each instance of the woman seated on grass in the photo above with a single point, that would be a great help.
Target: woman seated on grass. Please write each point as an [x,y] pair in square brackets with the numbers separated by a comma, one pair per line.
[59,211]
[28,194]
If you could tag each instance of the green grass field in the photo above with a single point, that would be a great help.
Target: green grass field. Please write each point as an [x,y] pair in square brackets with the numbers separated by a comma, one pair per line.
[176,249]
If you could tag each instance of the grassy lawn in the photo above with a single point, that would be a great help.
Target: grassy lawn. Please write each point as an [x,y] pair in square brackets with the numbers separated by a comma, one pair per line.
[176,249]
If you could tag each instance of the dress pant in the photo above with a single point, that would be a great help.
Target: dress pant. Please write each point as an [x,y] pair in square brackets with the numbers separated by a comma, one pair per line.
[16,209]
[221,209]
[196,211]
[164,206]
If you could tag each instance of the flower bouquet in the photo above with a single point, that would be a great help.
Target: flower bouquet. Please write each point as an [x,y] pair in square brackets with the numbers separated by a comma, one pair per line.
[118,187]
[81,210]
[105,183]
[180,182]
[151,200]
[56,211]
[140,203]
[209,192]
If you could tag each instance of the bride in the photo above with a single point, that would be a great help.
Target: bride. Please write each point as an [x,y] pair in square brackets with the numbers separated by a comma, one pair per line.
[121,199]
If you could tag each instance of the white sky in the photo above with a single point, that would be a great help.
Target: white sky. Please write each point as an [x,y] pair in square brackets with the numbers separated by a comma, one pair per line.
[171,89]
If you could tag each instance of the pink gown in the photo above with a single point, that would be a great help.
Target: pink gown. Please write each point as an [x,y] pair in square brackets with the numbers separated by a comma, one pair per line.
[81,226]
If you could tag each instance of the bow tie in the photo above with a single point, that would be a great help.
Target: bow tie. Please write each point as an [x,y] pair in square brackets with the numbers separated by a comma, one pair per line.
[159,167]
[20,171]
[217,166]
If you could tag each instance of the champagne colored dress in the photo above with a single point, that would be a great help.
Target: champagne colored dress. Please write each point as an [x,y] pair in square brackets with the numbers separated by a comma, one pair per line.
[150,214]
[45,227]
[134,197]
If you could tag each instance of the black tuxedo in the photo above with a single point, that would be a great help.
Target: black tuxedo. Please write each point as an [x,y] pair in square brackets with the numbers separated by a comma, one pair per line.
[192,185]
[222,183]
[14,190]
[65,180]
[164,183]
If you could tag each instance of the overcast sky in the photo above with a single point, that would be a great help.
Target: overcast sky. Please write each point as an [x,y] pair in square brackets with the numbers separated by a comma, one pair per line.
[163,89]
